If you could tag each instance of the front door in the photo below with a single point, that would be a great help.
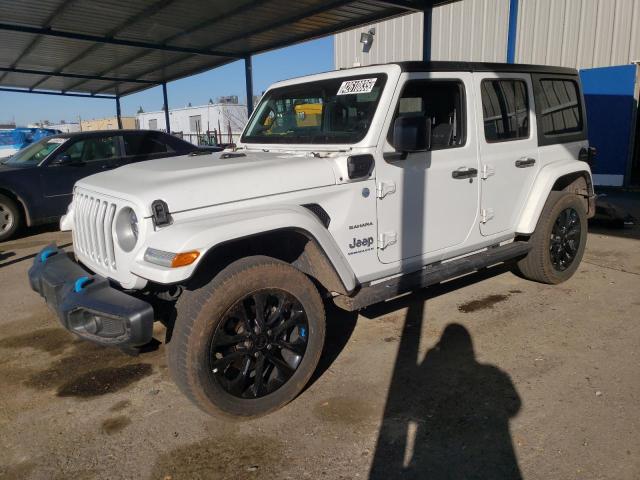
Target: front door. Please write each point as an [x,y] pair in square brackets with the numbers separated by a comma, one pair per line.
[80,159]
[508,148]
[428,201]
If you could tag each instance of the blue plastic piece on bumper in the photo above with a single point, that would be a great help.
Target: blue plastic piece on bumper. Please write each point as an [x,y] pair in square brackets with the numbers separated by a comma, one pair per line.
[46,253]
[80,284]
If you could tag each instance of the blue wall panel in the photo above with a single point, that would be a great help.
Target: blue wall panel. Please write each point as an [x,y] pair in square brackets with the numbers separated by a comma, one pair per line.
[609,97]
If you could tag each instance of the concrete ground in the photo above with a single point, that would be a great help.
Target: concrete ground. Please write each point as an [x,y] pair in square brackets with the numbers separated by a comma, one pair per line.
[486,377]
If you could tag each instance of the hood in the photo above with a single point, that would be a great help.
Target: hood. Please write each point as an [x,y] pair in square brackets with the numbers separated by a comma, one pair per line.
[189,182]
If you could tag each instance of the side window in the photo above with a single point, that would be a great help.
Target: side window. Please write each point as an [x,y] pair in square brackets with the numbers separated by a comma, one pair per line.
[441,101]
[93,149]
[75,151]
[145,144]
[559,107]
[505,108]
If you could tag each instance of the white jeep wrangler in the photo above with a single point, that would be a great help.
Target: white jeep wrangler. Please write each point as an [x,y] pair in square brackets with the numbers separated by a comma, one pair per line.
[351,186]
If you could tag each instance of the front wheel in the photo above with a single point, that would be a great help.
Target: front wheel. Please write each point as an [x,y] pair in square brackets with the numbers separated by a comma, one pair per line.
[558,243]
[10,218]
[248,342]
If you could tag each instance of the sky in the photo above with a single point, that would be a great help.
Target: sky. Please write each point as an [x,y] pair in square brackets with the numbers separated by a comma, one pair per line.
[302,59]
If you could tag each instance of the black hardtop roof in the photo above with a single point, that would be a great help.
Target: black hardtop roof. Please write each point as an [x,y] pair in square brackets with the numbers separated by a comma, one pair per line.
[440,66]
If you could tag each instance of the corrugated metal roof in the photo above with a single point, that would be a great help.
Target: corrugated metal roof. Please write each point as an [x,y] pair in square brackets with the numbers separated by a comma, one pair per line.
[122,43]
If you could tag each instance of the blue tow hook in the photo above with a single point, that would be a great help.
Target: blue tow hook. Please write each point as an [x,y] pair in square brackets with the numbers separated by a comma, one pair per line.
[81,283]
[46,253]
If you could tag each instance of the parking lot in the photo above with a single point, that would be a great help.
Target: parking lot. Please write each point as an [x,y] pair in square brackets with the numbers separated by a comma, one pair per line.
[498,378]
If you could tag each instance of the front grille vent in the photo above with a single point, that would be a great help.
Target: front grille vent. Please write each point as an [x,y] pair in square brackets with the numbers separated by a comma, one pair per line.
[93,227]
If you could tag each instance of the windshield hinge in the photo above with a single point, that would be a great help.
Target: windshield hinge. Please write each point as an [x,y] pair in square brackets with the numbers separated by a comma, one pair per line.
[384,188]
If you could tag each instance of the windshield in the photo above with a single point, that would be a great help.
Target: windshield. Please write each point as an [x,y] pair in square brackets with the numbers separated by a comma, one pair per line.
[36,152]
[338,110]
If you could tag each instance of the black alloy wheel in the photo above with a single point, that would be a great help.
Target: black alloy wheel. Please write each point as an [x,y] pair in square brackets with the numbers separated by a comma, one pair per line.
[259,343]
[565,239]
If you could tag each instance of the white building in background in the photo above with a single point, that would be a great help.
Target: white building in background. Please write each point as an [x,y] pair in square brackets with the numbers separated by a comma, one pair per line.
[570,33]
[65,127]
[193,121]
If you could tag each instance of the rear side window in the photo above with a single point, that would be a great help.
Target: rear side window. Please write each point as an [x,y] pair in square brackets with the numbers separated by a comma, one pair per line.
[505,109]
[559,107]
[145,144]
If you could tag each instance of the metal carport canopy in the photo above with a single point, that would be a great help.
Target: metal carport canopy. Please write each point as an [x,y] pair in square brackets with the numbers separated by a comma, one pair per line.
[111,48]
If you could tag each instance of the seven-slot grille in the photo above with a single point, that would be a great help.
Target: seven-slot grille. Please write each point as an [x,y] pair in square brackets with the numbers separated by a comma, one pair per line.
[93,225]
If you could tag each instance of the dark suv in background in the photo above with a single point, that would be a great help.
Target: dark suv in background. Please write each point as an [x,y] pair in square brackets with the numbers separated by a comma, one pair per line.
[36,183]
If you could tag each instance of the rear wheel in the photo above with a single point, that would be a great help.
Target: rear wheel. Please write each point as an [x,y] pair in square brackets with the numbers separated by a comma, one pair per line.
[10,218]
[247,343]
[558,243]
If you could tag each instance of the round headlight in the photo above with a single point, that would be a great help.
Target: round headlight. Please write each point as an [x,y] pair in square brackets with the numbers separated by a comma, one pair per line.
[127,229]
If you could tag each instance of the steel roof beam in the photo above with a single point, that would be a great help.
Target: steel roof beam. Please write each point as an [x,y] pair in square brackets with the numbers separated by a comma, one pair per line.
[45,92]
[114,41]
[72,75]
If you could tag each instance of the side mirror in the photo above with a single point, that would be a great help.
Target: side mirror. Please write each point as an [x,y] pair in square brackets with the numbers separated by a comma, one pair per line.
[412,134]
[61,160]
[65,159]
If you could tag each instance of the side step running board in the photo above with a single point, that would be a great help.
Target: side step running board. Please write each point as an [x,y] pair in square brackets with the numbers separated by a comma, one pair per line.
[430,275]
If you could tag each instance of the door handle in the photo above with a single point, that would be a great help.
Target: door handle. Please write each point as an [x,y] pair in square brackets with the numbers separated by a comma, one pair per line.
[464,172]
[525,162]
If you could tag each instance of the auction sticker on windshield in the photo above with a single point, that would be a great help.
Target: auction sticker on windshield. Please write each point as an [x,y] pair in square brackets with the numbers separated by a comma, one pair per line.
[350,87]
[59,141]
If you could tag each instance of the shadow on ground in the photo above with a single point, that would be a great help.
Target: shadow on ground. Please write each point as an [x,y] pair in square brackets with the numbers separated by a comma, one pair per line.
[447,415]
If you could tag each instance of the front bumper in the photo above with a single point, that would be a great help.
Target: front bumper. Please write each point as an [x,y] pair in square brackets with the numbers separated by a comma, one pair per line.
[87,304]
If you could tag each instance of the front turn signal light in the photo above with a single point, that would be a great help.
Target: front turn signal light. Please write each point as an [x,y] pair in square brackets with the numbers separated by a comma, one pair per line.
[170,259]
[184,259]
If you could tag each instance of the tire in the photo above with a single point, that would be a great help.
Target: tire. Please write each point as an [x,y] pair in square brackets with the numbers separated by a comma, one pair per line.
[212,316]
[551,247]
[10,218]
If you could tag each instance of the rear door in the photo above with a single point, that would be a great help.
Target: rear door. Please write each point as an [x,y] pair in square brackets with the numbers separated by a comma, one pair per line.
[146,145]
[508,148]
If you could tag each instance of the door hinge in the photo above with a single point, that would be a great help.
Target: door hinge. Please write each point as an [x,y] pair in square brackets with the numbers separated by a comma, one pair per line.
[486,214]
[487,171]
[387,238]
[384,188]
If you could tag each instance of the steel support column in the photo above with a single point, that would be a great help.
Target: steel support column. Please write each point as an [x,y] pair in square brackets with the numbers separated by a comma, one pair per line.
[513,31]
[166,107]
[118,112]
[427,23]
[248,76]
